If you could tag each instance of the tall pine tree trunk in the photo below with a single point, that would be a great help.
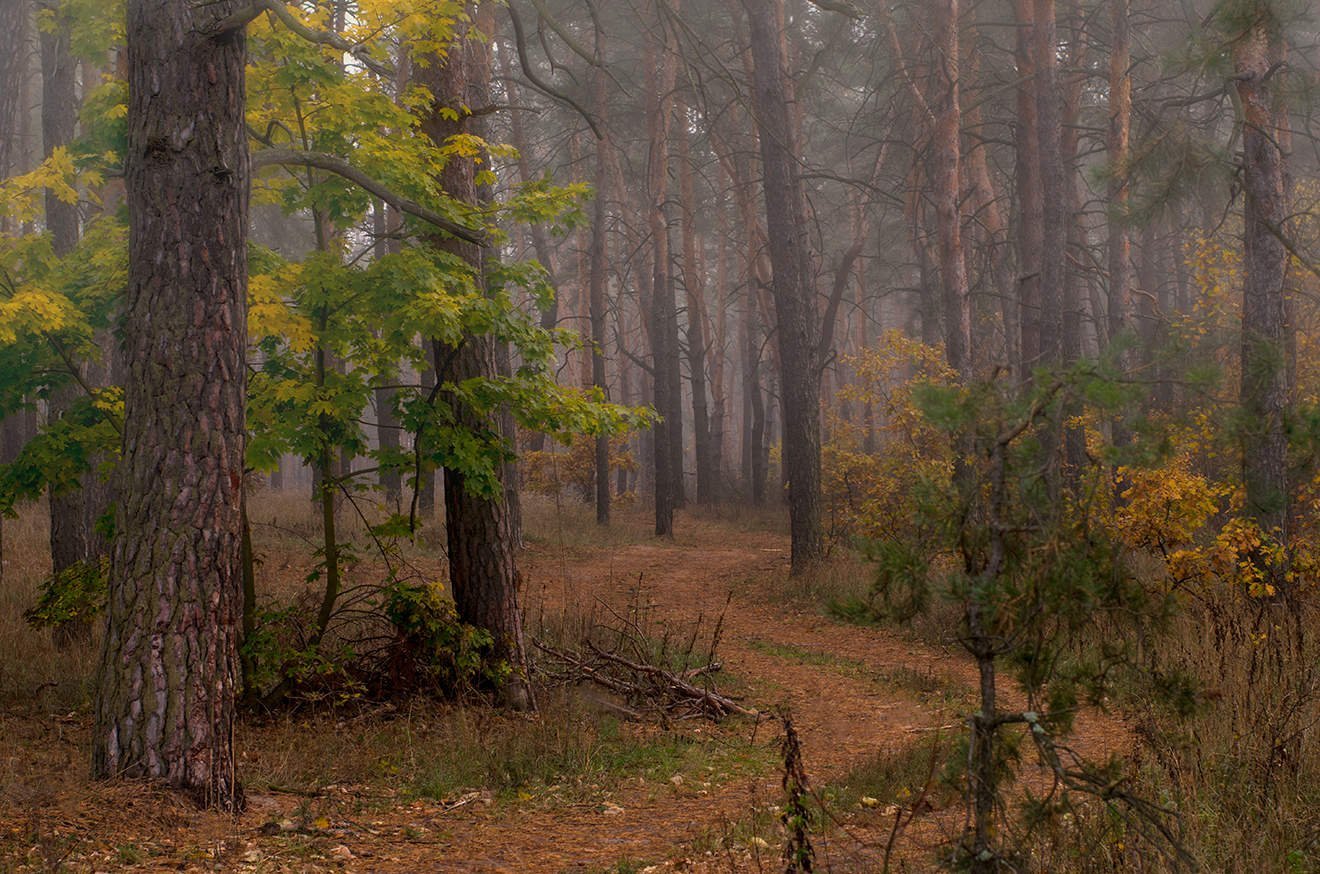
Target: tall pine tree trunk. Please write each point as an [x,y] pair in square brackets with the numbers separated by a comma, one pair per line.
[169,668]
[946,155]
[697,319]
[663,316]
[793,283]
[480,529]
[72,538]
[1030,202]
[1265,389]
[598,281]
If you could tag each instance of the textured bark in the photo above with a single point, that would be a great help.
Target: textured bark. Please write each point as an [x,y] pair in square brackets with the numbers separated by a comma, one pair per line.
[169,667]
[13,36]
[798,328]
[1265,390]
[479,529]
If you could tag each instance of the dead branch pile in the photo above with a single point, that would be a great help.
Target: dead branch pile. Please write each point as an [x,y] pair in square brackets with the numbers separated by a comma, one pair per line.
[648,676]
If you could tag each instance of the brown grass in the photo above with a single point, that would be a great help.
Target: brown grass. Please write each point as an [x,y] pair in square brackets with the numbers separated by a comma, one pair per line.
[34,673]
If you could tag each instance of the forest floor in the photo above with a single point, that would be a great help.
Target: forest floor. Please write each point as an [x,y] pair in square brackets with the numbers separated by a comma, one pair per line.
[877,711]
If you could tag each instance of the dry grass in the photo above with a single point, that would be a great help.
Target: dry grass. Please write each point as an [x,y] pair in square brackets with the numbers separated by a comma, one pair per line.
[572,749]
[34,673]
[1244,766]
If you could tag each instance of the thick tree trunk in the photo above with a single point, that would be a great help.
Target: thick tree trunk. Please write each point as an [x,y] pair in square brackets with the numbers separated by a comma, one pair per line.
[169,669]
[13,63]
[1265,390]
[798,329]
[480,529]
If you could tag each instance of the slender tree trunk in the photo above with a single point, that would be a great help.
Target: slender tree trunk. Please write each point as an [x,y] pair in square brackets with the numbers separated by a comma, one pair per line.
[72,536]
[13,72]
[1265,390]
[663,314]
[719,417]
[1075,242]
[990,219]
[798,330]
[698,321]
[946,152]
[479,529]
[598,280]
[1031,205]
[1119,249]
[425,485]
[1049,121]
[387,420]
[169,669]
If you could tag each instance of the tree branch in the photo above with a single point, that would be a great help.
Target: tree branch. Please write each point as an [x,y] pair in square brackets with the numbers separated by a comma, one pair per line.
[342,168]
[520,42]
[243,17]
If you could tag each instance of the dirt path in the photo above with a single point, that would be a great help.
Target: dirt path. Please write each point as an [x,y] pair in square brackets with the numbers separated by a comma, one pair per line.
[841,714]
[853,692]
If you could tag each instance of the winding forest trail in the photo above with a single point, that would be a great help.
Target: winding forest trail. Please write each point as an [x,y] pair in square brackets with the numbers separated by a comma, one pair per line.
[854,693]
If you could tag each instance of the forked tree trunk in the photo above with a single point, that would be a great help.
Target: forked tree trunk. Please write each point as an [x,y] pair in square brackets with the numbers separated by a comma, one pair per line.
[169,667]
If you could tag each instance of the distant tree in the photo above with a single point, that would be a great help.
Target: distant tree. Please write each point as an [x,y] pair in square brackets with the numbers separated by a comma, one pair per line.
[1257,52]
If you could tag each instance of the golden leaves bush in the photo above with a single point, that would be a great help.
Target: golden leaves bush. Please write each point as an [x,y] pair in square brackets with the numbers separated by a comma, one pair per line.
[882,451]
